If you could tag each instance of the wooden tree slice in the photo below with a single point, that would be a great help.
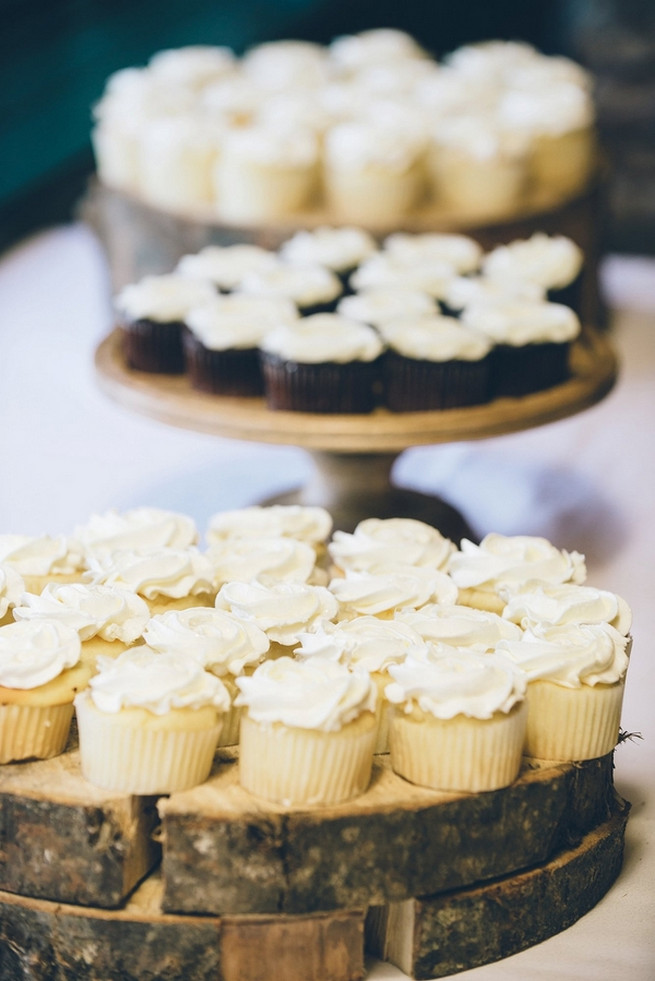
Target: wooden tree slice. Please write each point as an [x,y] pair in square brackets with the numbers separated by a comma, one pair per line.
[45,941]
[225,851]
[441,935]
[61,838]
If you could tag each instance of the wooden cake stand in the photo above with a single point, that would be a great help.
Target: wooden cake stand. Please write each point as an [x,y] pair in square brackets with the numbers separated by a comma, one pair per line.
[354,454]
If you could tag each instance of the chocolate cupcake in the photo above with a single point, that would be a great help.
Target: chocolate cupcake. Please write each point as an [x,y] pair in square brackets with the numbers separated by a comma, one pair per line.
[553,262]
[312,287]
[532,343]
[225,265]
[222,342]
[435,362]
[151,315]
[324,363]
[339,249]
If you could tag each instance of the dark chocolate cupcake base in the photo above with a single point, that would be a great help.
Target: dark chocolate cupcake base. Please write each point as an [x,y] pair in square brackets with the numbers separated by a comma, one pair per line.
[154,346]
[530,368]
[413,385]
[231,372]
[327,387]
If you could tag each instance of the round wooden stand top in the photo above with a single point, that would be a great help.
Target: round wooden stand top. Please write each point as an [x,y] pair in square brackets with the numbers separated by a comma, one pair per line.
[171,399]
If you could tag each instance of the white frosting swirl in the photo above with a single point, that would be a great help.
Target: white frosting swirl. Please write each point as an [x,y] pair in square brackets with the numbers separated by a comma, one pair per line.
[556,108]
[337,248]
[308,524]
[305,285]
[32,653]
[239,321]
[379,544]
[459,626]
[313,694]
[142,527]
[559,603]
[225,265]
[502,559]
[384,269]
[570,655]
[218,640]
[165,298]
[265,560]
[376,46]
[515,321]
[271,146]
[283,611]
[465,291]
[365,642]
[452,683]
[324,337]
[436,338]
[193,65]
[379,305]
[12,588]
[361,593]
[550,261]
[109,612]
[40,555]
[171,572]
[363,143]
[143,678]
[459,251]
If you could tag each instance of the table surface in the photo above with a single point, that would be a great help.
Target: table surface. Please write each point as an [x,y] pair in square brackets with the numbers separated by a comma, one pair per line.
[584,482]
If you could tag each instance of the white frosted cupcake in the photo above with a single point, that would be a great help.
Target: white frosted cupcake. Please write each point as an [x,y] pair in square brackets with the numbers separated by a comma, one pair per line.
[459,626]
[379,544]
[142,527]
[307,733]
[12,588]
[551,262]
[459,722]
[40,559]
[481,571]
[40,675]
[108,619]
[265,560]
[225,265]
[461,252]
[404,271]
[149,723]
[219,641]
[311,287]
[370,644]
[380,305]
[556,604]
[339,249]
[177,158]
[576,678]
[382,594]
[302,522]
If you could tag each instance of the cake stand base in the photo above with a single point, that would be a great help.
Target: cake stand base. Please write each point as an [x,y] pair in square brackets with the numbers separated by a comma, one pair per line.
[354,486]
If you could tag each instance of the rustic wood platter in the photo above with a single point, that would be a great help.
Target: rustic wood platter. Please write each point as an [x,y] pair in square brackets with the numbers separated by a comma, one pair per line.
[170,399]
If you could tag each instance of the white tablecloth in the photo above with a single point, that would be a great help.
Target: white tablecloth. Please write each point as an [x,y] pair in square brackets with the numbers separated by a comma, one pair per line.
[586,482]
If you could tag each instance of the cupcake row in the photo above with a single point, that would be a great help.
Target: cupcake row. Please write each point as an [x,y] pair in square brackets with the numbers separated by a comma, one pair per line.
[369,128]
[332,321]
[456,660]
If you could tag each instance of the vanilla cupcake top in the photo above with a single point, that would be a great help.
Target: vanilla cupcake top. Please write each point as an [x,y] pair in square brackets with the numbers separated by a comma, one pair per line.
[285,65]
[556,108]
[268,145]
[556,604]
[361,143]
[314,694]
[379,544]
[225,265]
[194,65]
[324,337]
[518,322]
[377,46]
[168,572]
[365,642]
[12,588]
[143,678]
[164,298]
[218,640]
[480,137]
[384,269]
[265,560]
[459,251]
[570,655]
[283,610]
[238,321]
[361,593]
[550,261]
[306,523]
[109,612]
[305,285]
[436,338]
[505,559]
[459,626]
[40,555]
[143,527]
[461,682]
[337,248]
[33,652]
[378,305]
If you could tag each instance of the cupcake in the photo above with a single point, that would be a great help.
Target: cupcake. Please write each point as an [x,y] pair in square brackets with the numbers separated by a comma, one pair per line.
[302,522]
[461,252]
[459,626]
[338,249]
[324,363]
[382,594]
[370,644]
[108,619]
[151,316]
[532,343]
[576,678]
[41,559]
[556,604]
[264,560]
[40,675]
[307,733]
[311,287]
[459,720]
[12,588]
[136,528]
[379,544]
[219,641]
[177,157]
[149,723]
[553,263]
[221,344]
[435,362]
[404,271]
[380,305]
[225,265]
[481,572]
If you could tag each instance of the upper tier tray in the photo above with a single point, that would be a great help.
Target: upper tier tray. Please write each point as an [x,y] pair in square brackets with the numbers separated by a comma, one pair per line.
[171,399]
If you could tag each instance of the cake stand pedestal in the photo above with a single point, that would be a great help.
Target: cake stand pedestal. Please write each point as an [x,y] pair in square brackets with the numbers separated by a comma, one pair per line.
[354,454]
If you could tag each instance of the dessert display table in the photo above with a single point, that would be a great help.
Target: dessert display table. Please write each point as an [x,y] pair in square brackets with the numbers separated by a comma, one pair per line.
[353,455]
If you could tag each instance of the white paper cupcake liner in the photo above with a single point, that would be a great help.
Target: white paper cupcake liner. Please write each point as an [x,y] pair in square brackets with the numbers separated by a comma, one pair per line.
[302,766]
[567,724]
[33,731]
[458,754]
